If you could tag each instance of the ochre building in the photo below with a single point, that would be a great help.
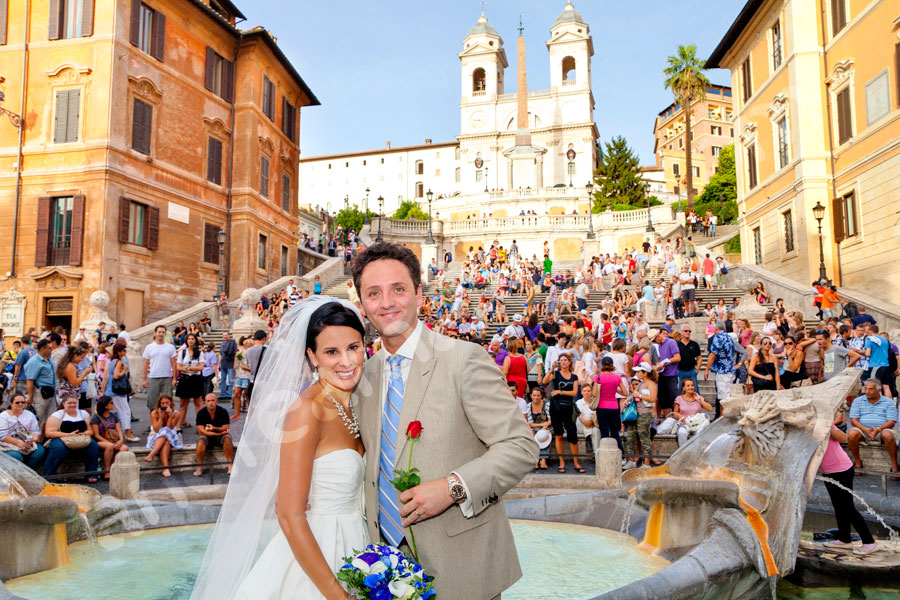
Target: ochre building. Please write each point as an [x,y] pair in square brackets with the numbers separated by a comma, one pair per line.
[148,128]
[817,123]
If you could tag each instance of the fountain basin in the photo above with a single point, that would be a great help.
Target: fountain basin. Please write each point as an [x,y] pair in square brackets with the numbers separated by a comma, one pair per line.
[34,534]
[606,560]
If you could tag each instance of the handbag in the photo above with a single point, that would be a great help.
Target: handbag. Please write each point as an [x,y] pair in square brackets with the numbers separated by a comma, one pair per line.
[121,386]
[630,414]
[76,442]
[47,392]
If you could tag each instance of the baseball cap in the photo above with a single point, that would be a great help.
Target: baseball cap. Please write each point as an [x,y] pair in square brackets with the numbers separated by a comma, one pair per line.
[607,361]
[643,367]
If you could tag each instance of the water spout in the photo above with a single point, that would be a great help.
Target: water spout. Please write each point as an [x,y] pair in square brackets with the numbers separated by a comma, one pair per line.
[894,536]
[719,451]
[10,488]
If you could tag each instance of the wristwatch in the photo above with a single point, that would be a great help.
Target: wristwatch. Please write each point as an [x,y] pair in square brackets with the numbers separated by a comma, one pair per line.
[457,489]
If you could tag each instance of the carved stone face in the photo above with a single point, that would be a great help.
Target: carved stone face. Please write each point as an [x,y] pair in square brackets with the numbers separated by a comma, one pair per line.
[761,428]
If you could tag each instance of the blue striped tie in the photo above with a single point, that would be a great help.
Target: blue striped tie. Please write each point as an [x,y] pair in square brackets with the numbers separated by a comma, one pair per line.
[388,504]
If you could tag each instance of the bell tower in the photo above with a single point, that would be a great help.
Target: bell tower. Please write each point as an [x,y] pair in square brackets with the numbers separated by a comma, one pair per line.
[482,64]
[571,49]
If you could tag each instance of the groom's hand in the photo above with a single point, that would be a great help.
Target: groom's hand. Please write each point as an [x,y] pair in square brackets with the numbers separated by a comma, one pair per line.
[424,501]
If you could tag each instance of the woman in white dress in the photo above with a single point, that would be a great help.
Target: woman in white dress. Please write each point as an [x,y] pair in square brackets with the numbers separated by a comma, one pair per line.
[300,452]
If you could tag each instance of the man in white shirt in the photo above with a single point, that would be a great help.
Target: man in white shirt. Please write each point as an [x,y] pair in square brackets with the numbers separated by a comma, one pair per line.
[476,331]
[553,352]
[159,367]
[457,296]
[582,291]
[688,291]
[515,329]
[124,335]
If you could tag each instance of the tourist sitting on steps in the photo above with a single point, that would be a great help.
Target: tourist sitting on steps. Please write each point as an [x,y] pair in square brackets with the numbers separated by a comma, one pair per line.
[163,437]
[213,426]
[873,416]
[106,429]
[68,432]
[19,433]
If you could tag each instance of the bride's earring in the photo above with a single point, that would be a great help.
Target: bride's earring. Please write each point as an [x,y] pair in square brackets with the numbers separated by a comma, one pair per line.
[315,375]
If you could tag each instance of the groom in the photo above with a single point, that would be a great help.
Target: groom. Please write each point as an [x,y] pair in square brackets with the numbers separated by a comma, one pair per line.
[473,448]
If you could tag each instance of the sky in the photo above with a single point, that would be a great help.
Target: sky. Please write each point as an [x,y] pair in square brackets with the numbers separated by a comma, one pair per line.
[387,70]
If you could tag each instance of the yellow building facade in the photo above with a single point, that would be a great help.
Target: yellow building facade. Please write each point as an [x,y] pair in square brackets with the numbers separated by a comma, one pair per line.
[817,122]
[148,127]
[711,130]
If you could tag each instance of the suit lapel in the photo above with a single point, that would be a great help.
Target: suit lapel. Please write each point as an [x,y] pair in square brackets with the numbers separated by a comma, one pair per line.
[368,408]
[414,393]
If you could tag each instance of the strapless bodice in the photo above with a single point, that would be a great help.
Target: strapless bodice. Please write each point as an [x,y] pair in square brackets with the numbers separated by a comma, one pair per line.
[336,486]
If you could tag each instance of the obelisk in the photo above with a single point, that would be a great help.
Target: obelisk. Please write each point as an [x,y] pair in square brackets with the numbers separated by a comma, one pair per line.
[524,160]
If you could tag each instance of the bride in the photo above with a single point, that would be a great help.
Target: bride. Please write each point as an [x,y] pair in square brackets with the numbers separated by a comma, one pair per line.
[294,505]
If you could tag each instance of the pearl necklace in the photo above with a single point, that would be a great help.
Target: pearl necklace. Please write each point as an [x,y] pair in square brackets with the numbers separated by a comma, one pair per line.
[350,422]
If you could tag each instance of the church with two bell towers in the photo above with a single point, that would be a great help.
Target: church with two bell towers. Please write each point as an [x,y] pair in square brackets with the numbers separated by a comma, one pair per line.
[509,144]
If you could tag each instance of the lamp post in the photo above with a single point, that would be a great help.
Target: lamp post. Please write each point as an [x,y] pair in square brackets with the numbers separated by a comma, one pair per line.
[430,238]
[346,201]
[366,205]
[220,238]
[485,179]
[590,193]
[649,219]
[380,218]
[819,214]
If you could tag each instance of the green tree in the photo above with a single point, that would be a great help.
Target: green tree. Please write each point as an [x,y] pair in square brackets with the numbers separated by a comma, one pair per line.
[351,218]
[685,78]
[720,194]
[410,210]
[617,179]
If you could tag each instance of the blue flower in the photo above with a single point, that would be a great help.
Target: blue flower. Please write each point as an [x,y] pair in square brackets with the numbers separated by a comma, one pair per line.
[428,594]
[368,557]
[381,593]
[373,580]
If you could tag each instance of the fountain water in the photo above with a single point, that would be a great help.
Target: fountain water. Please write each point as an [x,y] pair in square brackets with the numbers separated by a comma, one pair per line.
[719,451]
[629,510]
[894,536]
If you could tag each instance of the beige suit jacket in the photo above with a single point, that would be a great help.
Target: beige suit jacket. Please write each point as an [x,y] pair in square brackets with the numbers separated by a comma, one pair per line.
[471,426]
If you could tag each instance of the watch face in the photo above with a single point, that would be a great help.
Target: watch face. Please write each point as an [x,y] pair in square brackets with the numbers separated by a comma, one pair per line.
[458,491]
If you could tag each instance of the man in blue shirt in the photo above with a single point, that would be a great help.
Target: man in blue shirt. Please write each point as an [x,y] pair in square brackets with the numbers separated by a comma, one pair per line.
[863,318]
[22,357]
[871,417]
[721,362]
[40,376]
[877,349]
[647,292]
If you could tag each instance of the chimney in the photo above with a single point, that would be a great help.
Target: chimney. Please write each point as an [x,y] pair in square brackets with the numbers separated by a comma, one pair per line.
[388,144]
[427,141]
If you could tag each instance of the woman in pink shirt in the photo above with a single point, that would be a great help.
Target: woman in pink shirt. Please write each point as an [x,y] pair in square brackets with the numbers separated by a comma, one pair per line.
[608,383]
[689,403]
[837,466]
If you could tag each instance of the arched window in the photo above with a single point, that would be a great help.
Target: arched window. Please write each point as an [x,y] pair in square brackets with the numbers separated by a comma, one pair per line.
[457,153]
[458,174]
[420,189]
[568,69]
[478,80]
[420,167]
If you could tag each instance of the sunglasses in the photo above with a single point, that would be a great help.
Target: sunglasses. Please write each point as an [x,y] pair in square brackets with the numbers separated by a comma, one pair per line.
[20,402]
[789,343]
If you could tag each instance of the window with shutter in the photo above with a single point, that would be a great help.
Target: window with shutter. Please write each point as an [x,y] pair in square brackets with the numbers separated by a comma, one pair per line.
[158,36]
[783,156]
[284,261]
[850,224]
[87,18]
[76,247]
[67,19]
[148,29]
[837,219]
[264,176]
[153,229]
[219,77]
[42,237]
[141,127]
[268,103]
[746,82]
[776,45]
[757,246]
[788,220]
[261,252]
[137,224]
[124,219]
[838,16]
[286,193]
[211,243]
[65,127]
[845,123]
[61,209]
[751,166]
[4,12]
[214,161]
[288,119]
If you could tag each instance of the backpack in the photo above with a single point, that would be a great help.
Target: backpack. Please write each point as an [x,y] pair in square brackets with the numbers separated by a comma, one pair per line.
[851,310]
[724,270]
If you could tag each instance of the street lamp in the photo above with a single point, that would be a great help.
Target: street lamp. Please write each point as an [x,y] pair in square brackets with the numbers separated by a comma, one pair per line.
[485,179]
[430,238]
[366,204]
[380,218]
[346,201]
[220,238]
[590,192]
[649,219]
[819,214]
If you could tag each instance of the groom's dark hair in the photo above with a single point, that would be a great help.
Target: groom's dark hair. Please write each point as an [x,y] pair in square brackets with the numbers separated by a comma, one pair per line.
[386,250]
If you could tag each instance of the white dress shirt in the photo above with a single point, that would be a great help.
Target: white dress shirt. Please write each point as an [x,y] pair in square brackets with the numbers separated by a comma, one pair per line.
[408,351]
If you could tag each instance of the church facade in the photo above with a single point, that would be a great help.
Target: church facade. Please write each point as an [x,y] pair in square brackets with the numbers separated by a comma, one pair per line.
[534,149]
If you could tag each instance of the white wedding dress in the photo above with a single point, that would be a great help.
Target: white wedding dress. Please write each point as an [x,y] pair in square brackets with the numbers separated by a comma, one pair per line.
[337,522]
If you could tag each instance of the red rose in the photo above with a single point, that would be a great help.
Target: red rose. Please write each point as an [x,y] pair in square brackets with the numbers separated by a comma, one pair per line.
[414,430]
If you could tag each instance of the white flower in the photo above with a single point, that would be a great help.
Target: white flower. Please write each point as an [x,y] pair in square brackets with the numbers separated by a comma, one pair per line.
[399,589]
[377,567]
[394,561]
[361,565]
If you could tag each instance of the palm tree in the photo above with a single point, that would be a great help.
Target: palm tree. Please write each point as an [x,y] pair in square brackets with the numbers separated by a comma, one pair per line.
[685,78]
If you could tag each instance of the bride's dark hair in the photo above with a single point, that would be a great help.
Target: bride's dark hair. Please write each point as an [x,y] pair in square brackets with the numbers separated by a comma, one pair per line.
[331,314]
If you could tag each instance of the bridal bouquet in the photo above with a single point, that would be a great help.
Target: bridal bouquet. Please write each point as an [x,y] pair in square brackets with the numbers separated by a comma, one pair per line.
[385,573]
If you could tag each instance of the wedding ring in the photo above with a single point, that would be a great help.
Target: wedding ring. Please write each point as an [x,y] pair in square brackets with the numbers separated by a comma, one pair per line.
[418,515]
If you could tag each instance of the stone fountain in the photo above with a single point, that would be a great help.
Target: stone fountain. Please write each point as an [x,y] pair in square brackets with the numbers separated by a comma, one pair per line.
[34,514]
[727,508]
